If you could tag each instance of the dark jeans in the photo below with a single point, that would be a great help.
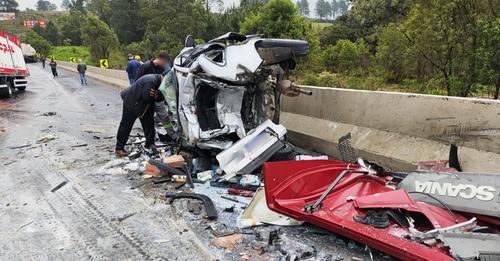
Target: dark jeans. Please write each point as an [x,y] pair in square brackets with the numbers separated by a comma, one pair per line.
[54,72]
[127,122]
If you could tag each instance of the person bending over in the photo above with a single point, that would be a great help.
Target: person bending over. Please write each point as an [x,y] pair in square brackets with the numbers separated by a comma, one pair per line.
[138,102]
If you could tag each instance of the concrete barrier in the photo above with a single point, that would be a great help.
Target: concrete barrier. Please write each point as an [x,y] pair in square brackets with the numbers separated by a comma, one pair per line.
[117,78]
[395,129]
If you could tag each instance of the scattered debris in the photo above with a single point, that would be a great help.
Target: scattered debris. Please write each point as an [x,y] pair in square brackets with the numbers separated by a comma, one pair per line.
[204,176]
[25,225]
[59,186]
[46,114]
[308,157]
[257,213]
[221,230]
[226,242]
[240,192]
[234,199]
[79,145]
[46,138]
[120,219]
[194,207]
[249,180]
[20,146]
[209,205]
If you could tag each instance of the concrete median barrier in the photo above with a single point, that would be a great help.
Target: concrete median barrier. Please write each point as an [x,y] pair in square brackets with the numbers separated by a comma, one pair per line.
[395,129]
[117,78]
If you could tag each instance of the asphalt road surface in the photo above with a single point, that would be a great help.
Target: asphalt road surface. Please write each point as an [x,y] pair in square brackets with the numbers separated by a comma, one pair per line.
[55,204]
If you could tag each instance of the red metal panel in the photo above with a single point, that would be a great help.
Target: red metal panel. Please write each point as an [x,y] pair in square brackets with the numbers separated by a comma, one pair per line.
[291,185]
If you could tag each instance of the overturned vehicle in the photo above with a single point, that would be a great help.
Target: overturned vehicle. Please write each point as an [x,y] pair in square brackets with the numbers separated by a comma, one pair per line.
[231,85]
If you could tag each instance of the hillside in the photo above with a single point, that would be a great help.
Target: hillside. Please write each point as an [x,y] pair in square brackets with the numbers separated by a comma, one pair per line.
[16,27]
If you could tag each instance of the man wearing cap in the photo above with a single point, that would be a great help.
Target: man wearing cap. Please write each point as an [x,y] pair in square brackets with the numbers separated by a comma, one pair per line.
[138,102]
[132,68]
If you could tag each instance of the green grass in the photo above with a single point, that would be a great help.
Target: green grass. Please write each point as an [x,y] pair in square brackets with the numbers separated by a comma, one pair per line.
[64,53]
[117,60]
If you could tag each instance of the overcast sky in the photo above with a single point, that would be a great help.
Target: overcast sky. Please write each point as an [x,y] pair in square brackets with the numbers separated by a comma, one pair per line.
[23,4]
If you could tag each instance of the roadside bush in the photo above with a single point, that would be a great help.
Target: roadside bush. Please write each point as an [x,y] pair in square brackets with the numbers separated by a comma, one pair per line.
[342,57]
[323,79]
[64,53]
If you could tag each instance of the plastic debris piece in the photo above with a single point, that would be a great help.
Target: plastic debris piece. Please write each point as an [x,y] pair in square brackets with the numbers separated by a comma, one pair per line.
[257,213]
[204,176]
[308,157]
[46,138]
[226,242]
[249,180]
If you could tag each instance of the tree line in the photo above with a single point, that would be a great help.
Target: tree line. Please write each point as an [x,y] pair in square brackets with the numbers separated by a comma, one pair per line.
[448,47]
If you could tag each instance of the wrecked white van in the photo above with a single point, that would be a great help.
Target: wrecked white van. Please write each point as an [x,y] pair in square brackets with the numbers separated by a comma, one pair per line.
[231,85]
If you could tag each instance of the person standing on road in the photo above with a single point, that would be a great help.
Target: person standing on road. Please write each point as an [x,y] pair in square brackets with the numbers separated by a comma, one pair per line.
[42,59]
[53,67]
[138,102]
[132,68]
[82,68]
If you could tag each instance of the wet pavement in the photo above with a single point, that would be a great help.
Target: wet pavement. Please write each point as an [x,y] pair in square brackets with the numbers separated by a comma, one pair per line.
[83,219]
[65,196]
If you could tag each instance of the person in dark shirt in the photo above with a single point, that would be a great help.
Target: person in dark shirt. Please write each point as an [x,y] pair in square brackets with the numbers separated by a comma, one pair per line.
[42,59]
[138,102]
[157,65]
[82,68]
[132,68]
[53,67]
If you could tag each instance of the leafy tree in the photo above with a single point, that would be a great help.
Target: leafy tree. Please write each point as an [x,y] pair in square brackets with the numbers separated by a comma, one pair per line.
[8,5]
[101,8]
[70,27]
[279,19]
[489,54]
[41,45]
[170,21]
[391,53]
[378,12]
[52,33]
[128,30]
[44,5]
[323,9]
[447,34]
[100,39]
[303,7]
[364,56]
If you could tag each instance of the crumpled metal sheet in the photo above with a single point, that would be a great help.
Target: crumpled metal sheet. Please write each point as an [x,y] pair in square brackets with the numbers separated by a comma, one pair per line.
[244,59]
[471,246]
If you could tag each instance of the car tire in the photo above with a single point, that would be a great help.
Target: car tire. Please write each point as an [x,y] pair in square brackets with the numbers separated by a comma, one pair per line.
[6,92]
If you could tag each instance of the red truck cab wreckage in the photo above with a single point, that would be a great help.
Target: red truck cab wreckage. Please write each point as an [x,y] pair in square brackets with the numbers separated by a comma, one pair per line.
[359,203]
